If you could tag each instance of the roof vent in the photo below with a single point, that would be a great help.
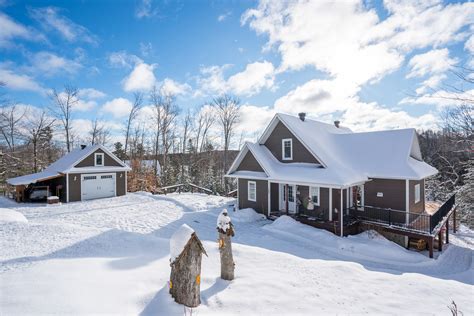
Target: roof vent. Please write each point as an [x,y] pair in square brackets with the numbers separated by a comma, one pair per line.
[336,123]
[302,116]
[83,146]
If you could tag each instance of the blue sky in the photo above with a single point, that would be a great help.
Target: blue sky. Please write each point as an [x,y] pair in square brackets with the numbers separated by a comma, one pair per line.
[371,64]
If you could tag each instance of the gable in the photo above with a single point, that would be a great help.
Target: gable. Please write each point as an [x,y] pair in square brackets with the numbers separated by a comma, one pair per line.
[89,160]
[274,143]
[249,163]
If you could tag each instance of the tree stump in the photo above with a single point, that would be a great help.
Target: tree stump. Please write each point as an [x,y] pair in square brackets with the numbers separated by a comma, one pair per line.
[226,231]
[185,279]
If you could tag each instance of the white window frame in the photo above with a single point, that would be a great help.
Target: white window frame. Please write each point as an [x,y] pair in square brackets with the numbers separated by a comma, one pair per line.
[249,196]
[283,157]
[417,193]
[95,159]
[311,194]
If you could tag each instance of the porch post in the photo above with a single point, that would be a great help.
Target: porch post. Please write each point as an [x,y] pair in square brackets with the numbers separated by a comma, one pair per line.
[454,221]
[347,201]
[341,217]
[430,246]
[286,197]
[447,231]
[407,206]
[440,241]
[330,204]
[269,196]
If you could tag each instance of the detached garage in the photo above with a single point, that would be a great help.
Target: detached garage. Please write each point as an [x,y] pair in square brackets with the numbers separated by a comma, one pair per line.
[85,173]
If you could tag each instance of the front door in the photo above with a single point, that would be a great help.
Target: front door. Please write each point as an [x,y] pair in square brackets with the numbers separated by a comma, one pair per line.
[290,198]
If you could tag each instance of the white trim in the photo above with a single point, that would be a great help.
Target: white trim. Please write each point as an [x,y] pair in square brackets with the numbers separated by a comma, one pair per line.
[67,187]
[341,214]
[319,195]
[95,159]
[283,157]
[417,193]
[347,200]
[407,199]
[248,191]
[330,204]
[240,157]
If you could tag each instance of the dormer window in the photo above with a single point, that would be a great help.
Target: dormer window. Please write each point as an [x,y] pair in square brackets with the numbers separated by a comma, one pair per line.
[287,149]
[99,159]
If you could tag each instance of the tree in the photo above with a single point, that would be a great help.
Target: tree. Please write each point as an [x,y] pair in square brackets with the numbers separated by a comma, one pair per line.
[227,110]
[10,120]
[38,129]
[205,118]
[169,112]
[62,108]
[118,151]
[98,133]
[155,99]
[132,115]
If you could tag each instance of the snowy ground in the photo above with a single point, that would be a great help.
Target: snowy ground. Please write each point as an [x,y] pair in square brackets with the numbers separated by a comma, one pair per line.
[111,256]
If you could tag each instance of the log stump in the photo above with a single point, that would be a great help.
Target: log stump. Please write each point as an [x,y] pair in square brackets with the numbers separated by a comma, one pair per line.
[226,231]
[185,278]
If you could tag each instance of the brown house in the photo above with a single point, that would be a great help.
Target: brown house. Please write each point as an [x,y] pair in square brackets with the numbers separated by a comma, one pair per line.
[86,173]
[329,174]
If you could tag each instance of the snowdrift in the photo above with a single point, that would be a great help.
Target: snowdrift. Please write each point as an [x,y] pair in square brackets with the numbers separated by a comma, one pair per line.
[7,215]
[246,215]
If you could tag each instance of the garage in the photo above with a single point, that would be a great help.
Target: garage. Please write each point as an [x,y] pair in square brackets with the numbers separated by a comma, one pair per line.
[97,186]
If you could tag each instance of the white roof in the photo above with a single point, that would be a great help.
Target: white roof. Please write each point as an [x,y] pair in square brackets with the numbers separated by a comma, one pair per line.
[178,241]
[346,158]
[66,165]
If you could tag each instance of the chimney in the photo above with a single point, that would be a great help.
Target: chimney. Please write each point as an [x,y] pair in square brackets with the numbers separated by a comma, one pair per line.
[302,116]
[83,146]
[336,123]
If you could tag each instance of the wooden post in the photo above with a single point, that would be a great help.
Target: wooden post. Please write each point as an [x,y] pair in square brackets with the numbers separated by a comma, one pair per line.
[430,246]
[440,241]
[341,217]
[287,199]
[226,231]
[447,231]
[185,278]
[454,221]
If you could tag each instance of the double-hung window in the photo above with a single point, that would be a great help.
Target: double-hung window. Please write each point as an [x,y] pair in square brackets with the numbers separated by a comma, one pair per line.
[287,149]
[99,159]
[252,191]
[314,193]
[417,193]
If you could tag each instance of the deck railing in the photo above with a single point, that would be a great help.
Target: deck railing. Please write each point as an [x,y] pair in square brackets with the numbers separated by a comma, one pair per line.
[411,221]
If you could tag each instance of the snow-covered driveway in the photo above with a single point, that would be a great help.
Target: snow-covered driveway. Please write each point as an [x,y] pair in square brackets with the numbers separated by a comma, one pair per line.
[112,256]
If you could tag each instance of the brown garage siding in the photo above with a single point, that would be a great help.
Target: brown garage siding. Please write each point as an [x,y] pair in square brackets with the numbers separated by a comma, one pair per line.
[300,153]
[393,193]
[89,160]
[74,187]
[420,206]
[274,198]
[261,203]
[249,163]
[120,179]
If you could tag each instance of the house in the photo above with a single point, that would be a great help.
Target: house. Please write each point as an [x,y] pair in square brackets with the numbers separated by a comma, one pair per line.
[330,176]
[88,172]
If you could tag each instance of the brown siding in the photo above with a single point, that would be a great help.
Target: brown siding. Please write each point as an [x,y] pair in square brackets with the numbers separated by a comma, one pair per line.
[274,198]
[300,153]
[323,208]
[420,206]
[250,163]
[336,202]
[74,187]
[393,193]
[261,203]
[120,179]
[89,160]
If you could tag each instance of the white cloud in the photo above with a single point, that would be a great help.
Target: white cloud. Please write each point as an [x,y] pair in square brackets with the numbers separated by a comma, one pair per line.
[16,81]
[441,98]
[123,59]
[49,64]
[79,104]
[224,16]
[430,83]
[253,119]
[10,29]
[141,78]
[175,88]
[91,93]
[432,62]
[469,46]
[255,77]
[118,107]
[146,48]
[51,19]
[145,9]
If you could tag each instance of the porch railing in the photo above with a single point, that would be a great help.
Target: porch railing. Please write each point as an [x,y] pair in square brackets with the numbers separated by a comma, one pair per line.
[411,221]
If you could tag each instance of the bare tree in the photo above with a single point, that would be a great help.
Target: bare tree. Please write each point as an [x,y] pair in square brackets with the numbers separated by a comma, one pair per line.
[10,120]
[204,121]
[155,99]
[132,115]
[169,112]
[62,108]
[98,133]
[227,110]
[37,128]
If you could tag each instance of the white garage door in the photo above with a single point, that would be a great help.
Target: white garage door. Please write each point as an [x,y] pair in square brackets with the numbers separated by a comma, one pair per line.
[96,186]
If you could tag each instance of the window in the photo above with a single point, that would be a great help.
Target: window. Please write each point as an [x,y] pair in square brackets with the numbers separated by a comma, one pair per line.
[417,193]
[99,159]
[252,191]
[109,176]
[314,193]
[89,178]
[287,149]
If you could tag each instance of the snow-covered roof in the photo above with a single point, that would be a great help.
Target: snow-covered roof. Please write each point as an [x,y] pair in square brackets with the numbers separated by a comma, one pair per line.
[67,163]
[346,158]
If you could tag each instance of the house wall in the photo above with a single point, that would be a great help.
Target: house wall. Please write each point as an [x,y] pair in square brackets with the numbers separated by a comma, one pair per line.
[274,197]
[75,185]
[249,163]
[261,203]
[393,194]
[323,208]
[420,206]
[300,153]
[89,160]
[336,202]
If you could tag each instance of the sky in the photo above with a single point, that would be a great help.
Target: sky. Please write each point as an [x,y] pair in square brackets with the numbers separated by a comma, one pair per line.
[370,64]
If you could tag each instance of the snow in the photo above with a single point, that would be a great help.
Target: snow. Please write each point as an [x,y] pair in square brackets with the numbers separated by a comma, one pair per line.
[111,256]
[179,240]
[349,158]
[7,215]
[223,221]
